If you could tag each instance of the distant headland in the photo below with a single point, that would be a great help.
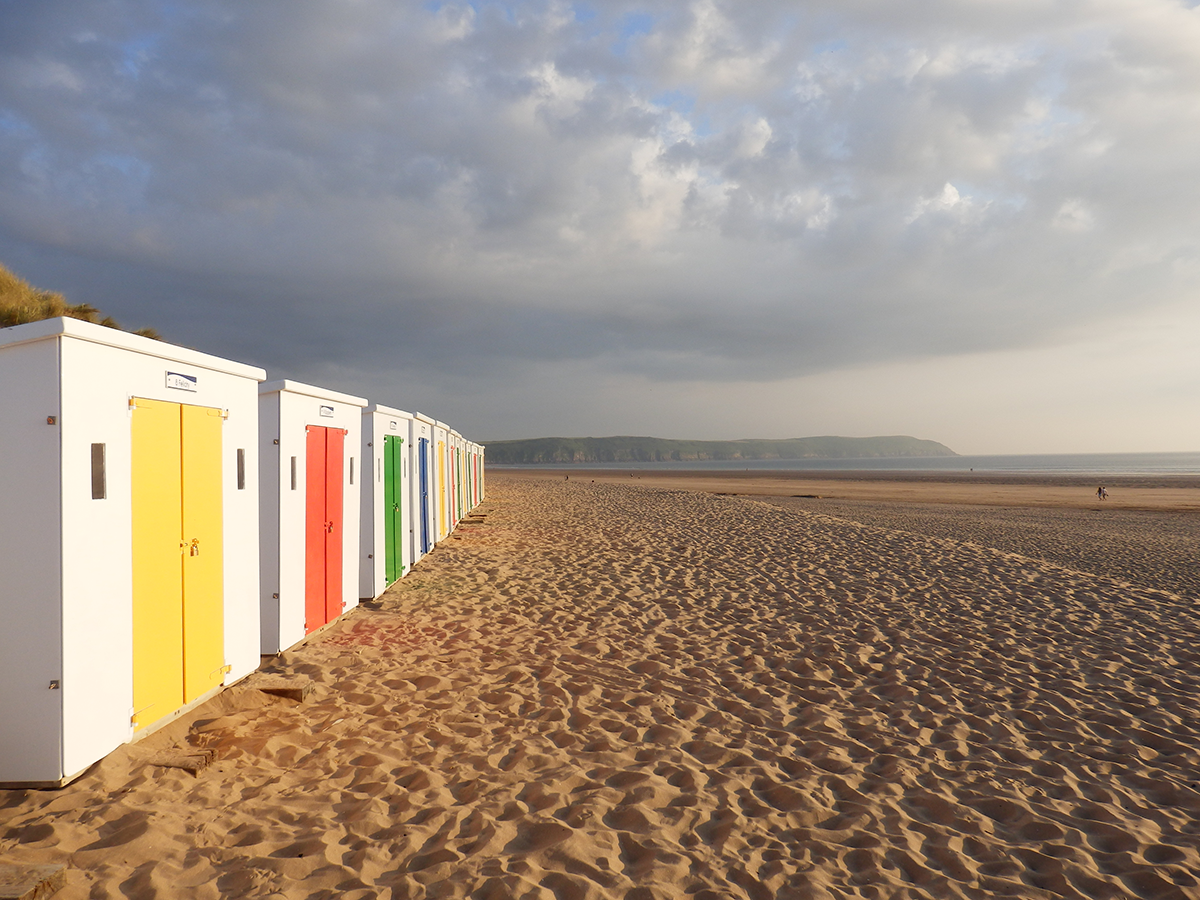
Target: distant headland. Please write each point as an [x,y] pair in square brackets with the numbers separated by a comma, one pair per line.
[552,450]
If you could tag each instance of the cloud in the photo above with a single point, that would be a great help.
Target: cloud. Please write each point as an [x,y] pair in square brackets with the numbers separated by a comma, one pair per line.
[679,189]
[949,202]
[1074,215]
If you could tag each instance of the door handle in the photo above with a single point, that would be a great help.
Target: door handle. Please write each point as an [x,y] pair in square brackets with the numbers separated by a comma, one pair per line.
[329,527]
[195,551]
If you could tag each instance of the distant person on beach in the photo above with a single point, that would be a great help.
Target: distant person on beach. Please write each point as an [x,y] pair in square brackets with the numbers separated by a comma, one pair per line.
[1101,493]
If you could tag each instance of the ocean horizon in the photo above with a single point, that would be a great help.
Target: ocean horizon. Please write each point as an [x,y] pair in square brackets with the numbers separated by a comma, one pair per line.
[1110,464]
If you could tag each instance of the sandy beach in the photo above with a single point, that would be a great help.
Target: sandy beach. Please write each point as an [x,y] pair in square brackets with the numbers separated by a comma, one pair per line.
[616,687]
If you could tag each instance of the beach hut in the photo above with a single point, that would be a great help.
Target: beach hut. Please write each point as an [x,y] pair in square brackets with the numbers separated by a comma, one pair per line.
[451,521]
[455,444]
[468,479]
[386,521]
[424,493]
[128,570]
[476,474]
[480,468]
[310,440]
[441,434]
[452,440]
[464,466]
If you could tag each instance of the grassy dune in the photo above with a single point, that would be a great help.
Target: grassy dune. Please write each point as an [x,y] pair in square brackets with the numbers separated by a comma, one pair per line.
[21,302]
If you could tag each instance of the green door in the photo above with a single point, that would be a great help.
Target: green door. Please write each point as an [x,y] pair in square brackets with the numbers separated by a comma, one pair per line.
[393,494]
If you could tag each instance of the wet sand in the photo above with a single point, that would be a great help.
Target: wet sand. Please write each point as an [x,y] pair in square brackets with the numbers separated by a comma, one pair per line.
[1157,492]
[619,690]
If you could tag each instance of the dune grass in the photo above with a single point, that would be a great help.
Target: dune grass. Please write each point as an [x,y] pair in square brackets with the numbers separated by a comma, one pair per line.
[21,302]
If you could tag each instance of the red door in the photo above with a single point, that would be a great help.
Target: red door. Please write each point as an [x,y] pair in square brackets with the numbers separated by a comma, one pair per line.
[323,526]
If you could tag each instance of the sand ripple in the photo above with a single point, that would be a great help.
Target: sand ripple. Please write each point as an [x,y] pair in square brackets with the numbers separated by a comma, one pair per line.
[1144,547]
[612,692]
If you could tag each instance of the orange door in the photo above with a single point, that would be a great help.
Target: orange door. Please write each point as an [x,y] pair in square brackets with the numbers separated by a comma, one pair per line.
[314,530]
[335,443]
[323,526]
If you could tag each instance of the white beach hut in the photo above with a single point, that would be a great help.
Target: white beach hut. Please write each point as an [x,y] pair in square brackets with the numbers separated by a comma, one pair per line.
[476,474]
[423,466]
[310,440]
[456,479]
[441,451]
[386,520]
[469,477]
[481,472]
[127,542]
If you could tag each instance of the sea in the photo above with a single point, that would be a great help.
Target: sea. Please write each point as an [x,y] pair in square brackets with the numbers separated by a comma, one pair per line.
[1110,464]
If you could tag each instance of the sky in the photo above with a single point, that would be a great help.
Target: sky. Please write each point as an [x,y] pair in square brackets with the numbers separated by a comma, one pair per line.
[970,221]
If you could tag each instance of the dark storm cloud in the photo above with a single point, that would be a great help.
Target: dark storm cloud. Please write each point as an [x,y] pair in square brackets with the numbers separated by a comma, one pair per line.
[687,190]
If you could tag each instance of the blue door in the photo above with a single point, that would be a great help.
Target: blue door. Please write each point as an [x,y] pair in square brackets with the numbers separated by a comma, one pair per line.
[423,456]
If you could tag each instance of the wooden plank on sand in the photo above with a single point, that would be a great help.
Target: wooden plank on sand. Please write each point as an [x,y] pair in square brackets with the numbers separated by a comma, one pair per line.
[195,761]
[294,687]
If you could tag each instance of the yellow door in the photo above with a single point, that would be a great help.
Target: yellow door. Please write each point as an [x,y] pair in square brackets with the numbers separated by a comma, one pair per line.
[157,573]
[203,567]
[178,571]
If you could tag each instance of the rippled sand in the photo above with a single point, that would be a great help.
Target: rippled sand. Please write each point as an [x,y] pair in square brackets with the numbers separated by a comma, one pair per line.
[1150,548]
[614,691]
